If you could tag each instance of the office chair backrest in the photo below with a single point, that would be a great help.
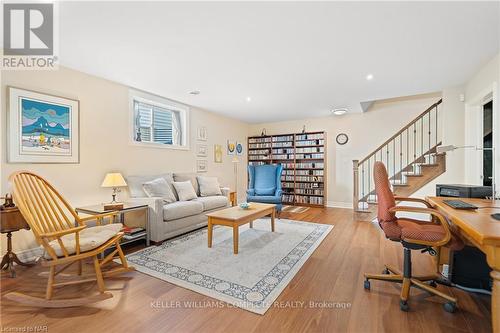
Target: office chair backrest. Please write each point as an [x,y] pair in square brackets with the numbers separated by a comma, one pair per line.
[385,197]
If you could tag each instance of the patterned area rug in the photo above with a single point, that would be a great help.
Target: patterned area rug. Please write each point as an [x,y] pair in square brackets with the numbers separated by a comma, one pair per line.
[295,209]
[267,261]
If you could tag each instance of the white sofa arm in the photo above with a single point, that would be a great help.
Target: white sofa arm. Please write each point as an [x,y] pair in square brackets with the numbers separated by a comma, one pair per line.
[225,191]
[155,214]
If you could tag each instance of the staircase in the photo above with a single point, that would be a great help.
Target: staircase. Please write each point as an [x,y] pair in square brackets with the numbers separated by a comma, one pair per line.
[409,156]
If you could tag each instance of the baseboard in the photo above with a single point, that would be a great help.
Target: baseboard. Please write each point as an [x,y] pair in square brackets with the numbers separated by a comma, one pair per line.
[338,204]
[30,254]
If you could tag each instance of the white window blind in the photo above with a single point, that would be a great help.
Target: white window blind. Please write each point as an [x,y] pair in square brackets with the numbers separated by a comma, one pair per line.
[153,123]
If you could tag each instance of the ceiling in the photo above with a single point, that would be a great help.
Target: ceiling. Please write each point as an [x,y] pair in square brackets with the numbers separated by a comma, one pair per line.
[294,60]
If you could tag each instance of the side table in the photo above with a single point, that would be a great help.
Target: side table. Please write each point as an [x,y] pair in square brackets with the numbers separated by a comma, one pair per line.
[11,220]
[127,207]
[233,199]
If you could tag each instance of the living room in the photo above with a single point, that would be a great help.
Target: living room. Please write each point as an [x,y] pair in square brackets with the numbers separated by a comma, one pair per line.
[137,140]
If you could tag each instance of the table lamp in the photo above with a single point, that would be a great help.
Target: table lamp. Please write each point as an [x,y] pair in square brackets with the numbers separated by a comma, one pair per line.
[114,180]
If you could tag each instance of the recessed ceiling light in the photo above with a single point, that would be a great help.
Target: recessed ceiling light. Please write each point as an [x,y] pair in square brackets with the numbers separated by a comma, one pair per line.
[194,92]
[339,112]
[249,99]
[369,77]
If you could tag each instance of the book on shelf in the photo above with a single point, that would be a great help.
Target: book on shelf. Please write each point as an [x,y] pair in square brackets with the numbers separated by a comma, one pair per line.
[135,236]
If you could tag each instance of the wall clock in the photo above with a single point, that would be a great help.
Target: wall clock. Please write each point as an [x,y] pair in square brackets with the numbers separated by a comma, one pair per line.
[342,139]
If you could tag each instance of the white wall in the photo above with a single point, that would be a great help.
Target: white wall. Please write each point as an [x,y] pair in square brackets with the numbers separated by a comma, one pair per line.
[104,140]
[462,127]
[485,82]
[366,132]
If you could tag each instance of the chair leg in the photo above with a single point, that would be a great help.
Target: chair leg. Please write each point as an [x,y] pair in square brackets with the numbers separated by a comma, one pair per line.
[50,282]
[80,267]
[98,274]
[122,256]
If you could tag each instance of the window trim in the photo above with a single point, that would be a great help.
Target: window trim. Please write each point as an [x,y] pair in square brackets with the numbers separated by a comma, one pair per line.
[140,96]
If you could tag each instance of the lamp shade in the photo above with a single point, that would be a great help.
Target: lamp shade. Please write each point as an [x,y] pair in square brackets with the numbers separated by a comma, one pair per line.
[114,179]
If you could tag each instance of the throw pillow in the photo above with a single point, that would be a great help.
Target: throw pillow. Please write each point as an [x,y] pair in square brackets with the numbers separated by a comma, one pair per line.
[265,191]
[185,190]
[209,186]
[159,188]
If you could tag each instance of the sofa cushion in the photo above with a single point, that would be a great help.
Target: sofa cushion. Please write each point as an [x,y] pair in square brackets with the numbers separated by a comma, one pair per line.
[182,177]
[90,238]
[159,188]
[180,209]
[212,202]
[135,183]
[264,199]
[208,186]
[185,190]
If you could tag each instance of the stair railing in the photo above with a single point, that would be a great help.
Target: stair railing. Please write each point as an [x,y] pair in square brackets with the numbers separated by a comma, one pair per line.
[403,153]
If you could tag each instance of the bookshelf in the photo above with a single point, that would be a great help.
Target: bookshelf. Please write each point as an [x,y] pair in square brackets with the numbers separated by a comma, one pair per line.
[303,157]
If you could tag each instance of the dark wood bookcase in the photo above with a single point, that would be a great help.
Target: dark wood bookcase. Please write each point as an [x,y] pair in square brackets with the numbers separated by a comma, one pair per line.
[303,156]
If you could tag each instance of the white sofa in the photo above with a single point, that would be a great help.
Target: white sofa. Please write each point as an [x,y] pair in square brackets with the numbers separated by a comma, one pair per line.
[172,219]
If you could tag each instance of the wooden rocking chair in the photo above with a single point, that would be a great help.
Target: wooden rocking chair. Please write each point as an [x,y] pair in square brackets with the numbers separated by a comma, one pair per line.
[66,239]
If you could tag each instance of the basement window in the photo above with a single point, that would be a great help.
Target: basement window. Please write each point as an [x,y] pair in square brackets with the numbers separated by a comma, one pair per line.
[158,122]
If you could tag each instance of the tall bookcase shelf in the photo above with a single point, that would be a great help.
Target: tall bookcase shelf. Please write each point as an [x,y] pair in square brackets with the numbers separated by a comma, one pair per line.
[303,156]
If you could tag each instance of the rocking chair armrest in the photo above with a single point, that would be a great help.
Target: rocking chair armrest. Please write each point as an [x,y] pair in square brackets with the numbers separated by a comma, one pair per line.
[84,220]
[436,216]
[63,232]
[418,200]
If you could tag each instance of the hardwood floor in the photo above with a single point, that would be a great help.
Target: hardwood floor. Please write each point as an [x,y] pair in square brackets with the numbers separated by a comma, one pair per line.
[333,274]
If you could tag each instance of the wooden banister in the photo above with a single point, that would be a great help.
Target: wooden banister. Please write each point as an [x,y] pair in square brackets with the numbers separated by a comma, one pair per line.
[401,130]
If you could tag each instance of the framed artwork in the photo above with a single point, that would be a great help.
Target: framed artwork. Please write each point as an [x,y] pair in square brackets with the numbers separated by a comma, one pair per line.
[202,134]
[231,147]
[239,148]
[201,166]
[42,128]
[217,153]
[201,150]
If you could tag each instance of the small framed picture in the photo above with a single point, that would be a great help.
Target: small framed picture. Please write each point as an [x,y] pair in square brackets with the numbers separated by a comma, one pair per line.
[201,150]
[239,148]
[231,147]
[202,134]
[201,166]
[217,153]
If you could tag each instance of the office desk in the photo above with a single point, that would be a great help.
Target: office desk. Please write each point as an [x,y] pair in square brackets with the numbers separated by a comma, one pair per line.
[482,231]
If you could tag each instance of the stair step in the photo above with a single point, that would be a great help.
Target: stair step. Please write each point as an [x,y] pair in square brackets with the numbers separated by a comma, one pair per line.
[425,164]
[414,175]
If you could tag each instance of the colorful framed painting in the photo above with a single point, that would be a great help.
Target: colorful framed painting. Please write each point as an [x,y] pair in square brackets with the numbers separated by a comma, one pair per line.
[42,128]
[239,148]
[217,153]
[231,147]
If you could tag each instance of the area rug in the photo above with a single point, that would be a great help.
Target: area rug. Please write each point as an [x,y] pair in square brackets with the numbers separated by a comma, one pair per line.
[295,209]
[253,279]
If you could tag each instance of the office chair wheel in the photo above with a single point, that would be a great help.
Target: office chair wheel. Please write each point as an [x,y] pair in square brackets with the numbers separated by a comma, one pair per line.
[450,307]
[403,305]
[367,285]
[386,271]
[433,284]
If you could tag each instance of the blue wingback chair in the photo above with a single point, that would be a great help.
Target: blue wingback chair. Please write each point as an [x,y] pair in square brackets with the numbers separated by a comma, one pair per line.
[264,184]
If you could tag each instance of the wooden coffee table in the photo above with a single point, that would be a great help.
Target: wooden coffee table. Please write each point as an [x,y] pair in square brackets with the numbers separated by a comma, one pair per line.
[235,216]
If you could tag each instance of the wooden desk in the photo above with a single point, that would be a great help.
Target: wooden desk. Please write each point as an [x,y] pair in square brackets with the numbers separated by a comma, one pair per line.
[482,231]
